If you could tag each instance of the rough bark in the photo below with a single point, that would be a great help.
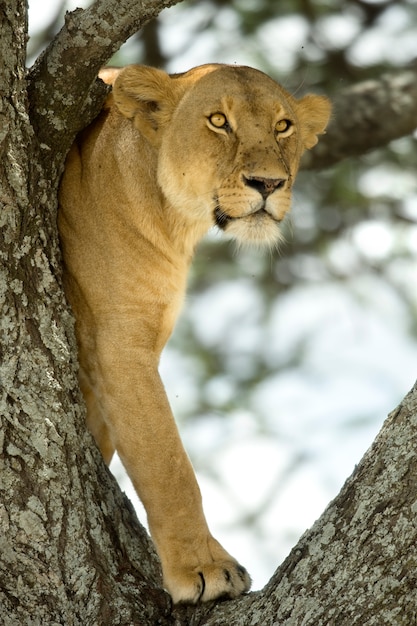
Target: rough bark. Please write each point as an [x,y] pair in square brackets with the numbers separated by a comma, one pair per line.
[71,550]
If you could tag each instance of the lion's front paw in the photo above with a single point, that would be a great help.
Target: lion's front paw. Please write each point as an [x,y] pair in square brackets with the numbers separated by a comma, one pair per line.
[219,579]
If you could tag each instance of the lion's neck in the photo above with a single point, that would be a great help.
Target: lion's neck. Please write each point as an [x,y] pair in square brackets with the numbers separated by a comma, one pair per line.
[183,235]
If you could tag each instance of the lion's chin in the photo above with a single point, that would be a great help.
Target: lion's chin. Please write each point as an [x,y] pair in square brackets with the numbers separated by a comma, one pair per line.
[258,228]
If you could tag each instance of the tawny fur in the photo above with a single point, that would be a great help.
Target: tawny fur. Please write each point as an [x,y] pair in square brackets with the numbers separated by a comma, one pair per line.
[141,186]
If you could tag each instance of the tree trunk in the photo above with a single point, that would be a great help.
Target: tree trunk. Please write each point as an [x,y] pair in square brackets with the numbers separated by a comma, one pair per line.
[71,549]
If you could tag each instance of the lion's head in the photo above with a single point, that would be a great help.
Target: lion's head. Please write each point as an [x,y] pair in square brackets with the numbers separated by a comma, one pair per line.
[229,141]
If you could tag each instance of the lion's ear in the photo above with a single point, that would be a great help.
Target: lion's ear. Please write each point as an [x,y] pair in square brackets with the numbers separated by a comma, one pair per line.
[313,113]
[146,95]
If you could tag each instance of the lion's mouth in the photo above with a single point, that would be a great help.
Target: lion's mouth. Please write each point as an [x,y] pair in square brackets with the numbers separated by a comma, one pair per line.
[222,219]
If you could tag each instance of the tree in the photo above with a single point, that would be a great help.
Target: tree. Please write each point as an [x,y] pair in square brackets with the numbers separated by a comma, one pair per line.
[71,549]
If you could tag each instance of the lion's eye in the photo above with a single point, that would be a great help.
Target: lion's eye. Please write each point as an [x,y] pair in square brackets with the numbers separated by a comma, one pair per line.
[283,126]
[219,120]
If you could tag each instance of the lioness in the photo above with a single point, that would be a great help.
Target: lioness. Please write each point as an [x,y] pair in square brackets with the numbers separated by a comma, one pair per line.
[168,158]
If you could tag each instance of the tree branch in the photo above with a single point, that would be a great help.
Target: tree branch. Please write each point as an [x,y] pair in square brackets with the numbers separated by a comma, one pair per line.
[357,564]
[368,116]
[63,90]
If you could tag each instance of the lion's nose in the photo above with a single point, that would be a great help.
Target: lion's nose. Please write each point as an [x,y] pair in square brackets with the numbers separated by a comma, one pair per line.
[265,186]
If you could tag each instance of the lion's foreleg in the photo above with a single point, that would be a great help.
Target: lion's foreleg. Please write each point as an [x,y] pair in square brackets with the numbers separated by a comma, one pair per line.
[143,430]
